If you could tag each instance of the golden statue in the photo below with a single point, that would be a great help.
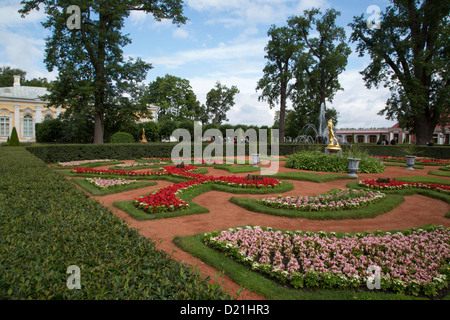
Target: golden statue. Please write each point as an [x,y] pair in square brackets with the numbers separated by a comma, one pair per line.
[334,144]
[143,136]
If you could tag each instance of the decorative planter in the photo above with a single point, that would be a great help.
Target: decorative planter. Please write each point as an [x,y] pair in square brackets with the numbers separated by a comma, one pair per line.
[410,162]
[353,167]
[255,159]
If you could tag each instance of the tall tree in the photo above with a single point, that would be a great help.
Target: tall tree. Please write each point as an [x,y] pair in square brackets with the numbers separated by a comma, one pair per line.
[175,98]
[90,59]
[318,66]
[278,72]
[410,55]
[219,101]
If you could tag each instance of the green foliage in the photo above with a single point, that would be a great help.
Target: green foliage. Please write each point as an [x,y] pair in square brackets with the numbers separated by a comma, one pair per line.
[122,137]
[409,54]
[50,131]
[48,224]
[175,98]
[14,139]
[318,64]
[93,74]
[318,161]
[219,100]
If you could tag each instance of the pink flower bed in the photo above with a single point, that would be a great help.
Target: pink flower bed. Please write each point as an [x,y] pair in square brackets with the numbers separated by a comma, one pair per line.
[77,163]
[414,263]
[108,183]
[344,199]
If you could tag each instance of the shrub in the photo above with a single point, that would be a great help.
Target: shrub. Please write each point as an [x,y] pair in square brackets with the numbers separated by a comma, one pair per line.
[318,161]
[14,139]
[48,225]
[122,137]
[50,130]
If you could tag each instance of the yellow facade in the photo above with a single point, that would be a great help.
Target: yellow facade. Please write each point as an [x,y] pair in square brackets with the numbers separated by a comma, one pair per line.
[22,107]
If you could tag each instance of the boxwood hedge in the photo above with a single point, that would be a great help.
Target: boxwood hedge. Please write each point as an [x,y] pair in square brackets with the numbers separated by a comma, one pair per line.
[47,225]
[52,153]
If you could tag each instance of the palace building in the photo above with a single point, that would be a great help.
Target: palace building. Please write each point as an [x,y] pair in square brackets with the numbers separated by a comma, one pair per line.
[23,106]
[441,135]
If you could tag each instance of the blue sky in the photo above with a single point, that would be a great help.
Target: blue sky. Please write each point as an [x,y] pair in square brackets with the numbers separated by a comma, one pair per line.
[223,41]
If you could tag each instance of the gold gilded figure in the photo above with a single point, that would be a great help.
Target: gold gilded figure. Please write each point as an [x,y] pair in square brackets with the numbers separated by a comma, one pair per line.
[331,137]
[143,136]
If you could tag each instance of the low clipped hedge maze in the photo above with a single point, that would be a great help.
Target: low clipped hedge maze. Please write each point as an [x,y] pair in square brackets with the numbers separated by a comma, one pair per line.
[47,225]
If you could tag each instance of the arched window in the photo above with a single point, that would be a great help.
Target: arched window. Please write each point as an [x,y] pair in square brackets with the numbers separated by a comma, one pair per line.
[48,116]
[4,126]
[27,125]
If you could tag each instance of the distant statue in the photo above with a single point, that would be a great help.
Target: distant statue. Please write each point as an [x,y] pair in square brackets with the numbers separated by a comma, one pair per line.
[143,136]
[334,144]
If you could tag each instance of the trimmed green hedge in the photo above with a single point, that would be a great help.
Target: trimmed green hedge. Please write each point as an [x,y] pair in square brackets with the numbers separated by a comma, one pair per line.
[48,224]
[52,153]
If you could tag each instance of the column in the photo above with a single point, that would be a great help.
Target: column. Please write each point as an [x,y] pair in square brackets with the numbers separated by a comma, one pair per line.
[38,114]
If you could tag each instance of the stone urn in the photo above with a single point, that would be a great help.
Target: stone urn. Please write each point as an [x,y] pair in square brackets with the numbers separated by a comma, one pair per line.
[353,167]
[410,161]
[255,159]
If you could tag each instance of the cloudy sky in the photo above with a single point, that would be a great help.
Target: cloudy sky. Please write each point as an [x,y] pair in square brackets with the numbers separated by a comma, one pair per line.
[223,41]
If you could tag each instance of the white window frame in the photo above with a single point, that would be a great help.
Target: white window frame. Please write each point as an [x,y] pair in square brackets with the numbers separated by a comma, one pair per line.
[5,126]
[25,119]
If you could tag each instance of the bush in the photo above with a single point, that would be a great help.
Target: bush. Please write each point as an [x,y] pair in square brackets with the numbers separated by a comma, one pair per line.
[318,161]
[122,137]
[14,139]
[43,232]
[51,130]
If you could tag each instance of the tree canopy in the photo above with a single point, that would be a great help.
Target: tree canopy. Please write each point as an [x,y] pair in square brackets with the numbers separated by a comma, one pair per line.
[92,72]
[175,98]
[219,101]
[304,68]
[410,55]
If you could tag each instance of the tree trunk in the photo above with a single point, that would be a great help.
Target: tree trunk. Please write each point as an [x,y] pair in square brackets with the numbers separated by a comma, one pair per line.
[98,128]
[424,128]
[282,111]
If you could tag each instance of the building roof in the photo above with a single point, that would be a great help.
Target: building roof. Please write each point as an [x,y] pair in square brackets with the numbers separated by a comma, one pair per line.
[23,92]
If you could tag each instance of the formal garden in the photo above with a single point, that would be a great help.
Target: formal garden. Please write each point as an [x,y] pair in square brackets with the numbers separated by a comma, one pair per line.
[144,227]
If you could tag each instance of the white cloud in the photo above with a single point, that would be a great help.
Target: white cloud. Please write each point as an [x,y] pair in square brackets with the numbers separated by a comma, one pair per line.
[252,12]
[218,55]
[358,106]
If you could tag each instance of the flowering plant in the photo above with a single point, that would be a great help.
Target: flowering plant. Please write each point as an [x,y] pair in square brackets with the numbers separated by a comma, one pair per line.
[104,184]
[414,262]
[418,160]
[77,163]
[398,185]
[343,199]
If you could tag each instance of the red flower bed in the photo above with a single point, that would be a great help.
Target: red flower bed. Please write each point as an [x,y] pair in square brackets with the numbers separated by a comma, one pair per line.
[396,185]
[417,160]
[165,198]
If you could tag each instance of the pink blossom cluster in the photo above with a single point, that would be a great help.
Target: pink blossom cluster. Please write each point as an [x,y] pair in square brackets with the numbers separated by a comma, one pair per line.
[108,183]
[343,199]
[417,257]
[137,164]
[77,163]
